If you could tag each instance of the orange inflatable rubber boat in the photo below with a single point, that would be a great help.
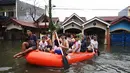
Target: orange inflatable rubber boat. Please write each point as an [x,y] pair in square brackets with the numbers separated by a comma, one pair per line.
[54,60]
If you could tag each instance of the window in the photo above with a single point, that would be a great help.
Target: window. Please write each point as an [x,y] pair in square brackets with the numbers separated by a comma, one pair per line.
[27,14]
[11,14]
[1,13]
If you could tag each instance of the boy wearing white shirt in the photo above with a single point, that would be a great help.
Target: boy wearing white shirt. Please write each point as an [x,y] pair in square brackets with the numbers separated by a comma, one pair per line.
[43,44]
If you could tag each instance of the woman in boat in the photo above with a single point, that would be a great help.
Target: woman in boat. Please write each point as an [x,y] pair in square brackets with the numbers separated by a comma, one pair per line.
[59,43]
[64,43]
[49,42]
[55,46]
[76,46]
[72,40]
[29,45]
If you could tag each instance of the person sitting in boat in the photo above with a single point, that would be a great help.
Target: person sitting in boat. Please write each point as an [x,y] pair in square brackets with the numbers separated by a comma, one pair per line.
[29,45]
[49,42]
[71,40]
[95,44]
[64,43]
[55,48]
[61,43]
[43,44]
[76,46]
[83,44]
[91,38]
[90,48]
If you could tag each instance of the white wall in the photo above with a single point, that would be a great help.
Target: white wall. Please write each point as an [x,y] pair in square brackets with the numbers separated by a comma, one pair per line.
[123,12]
[23,11]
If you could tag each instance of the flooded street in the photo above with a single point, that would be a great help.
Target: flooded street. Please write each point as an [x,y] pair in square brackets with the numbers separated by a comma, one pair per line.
[116,60]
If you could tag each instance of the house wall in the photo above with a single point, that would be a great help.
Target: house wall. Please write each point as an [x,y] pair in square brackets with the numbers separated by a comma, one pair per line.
[123,12]
[128,11]
[13,34]
[74,18]
[70,26]
[23,11]
[123,25]
[120,33]
[6,10]
[98,25]
[101,26]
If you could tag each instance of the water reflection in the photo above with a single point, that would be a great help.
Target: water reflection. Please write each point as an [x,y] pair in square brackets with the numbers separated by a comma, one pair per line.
[114,60]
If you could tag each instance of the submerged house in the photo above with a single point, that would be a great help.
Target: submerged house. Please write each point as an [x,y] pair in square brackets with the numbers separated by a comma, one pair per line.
[120,31]
[99,27]
[15,29]
[73,24]
[14,14]
[77,24]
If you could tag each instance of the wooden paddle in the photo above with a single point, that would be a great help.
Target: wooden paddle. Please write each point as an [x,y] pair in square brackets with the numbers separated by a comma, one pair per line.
[64,59]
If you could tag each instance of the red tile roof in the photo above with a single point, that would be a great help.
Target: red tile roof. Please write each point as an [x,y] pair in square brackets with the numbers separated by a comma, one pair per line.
[30,24]
[109,18]
[44,25]
[120,19]
[23,23]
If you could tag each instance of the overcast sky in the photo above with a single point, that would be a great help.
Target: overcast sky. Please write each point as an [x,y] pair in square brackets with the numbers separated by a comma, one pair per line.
[86,8]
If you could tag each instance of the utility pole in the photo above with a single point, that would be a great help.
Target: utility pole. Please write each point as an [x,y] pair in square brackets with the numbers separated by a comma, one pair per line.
[45,15]
[50,16]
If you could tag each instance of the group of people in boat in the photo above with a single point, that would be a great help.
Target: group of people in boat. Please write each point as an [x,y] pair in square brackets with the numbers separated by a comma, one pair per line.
[67,42]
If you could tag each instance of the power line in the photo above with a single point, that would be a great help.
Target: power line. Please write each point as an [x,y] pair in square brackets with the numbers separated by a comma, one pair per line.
[84,9]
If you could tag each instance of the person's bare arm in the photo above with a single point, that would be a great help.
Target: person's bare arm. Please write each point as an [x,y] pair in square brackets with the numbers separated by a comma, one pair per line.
[37,44]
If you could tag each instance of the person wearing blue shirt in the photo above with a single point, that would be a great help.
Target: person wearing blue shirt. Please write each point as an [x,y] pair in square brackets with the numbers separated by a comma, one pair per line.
[83,44]
[29,45]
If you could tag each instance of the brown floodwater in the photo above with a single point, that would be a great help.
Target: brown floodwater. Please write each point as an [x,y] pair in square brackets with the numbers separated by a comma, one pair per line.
[114,59]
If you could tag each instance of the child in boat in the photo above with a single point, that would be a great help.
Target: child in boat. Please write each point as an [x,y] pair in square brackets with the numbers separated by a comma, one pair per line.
[29,45]
[43,44]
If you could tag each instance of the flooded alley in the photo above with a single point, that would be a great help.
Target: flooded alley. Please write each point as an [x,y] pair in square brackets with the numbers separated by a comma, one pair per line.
[114,60]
